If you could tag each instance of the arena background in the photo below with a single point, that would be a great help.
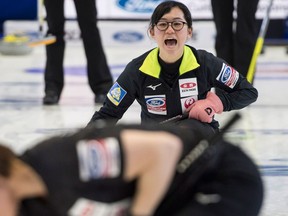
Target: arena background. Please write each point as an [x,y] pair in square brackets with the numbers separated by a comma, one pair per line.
[21,16]
[263,132]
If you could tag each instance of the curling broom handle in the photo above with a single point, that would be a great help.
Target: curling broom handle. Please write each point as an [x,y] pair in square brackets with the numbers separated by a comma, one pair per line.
[259,44]
[42,39]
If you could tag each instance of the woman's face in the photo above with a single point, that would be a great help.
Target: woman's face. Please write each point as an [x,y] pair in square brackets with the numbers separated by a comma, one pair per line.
[171,42]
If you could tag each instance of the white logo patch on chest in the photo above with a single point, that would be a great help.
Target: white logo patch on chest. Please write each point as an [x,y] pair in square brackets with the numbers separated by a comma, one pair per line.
[188,87]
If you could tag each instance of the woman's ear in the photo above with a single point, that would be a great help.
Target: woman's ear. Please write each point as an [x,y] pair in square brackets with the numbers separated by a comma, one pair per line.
[190,31]
[151,32]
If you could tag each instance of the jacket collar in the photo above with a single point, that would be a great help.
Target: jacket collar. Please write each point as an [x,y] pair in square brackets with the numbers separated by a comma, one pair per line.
[152,67]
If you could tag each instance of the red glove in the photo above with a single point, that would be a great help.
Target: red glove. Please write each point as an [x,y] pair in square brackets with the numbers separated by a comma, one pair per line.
[204,110]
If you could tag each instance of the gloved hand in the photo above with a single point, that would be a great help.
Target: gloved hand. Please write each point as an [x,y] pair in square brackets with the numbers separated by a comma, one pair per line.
[204,110]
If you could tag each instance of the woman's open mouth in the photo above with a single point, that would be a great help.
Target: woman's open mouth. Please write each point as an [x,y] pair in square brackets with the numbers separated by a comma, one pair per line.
[170,42]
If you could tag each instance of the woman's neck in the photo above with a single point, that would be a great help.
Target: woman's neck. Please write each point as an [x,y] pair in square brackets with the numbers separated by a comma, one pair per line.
[170,57]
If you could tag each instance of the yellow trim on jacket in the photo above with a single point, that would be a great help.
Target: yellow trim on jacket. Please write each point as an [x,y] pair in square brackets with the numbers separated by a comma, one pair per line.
[152,67]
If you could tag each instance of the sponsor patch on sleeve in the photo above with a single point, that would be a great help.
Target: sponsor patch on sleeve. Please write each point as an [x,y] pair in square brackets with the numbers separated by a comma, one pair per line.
[99,158]
[116,94]
[228,76]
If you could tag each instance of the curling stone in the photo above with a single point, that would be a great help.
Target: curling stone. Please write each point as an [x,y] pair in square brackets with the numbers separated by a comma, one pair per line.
[15,45]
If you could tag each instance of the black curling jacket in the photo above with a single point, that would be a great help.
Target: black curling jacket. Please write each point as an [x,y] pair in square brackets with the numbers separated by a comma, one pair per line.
[199,71]
[58,162]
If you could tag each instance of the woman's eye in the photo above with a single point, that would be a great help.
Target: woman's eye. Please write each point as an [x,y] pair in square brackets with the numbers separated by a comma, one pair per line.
[177,23]
[162,24]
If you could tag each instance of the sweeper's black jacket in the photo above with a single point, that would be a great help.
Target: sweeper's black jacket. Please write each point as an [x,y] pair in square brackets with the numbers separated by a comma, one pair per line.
[220,180]
[166,90]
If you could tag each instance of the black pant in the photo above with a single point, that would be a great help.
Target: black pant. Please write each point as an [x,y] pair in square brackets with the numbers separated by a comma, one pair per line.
[235,46]
[99,76]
